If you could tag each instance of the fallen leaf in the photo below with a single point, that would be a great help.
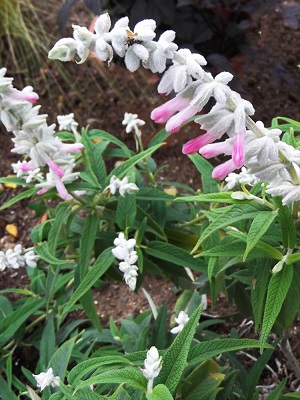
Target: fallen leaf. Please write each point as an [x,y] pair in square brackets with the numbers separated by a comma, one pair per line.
[12,230]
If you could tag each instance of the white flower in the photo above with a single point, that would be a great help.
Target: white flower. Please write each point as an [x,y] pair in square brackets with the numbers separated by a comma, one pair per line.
[181,320]
[134,55]
[244,176]
[63,50]
[118,36]
[217,88]
[160,51]
[67,123]
[132,122]
[124,251]
[31,259]
[121,185]
[153,364]
[3,263]
[47,378]
[186,67]
[123,247]
[103,49]
[264,147]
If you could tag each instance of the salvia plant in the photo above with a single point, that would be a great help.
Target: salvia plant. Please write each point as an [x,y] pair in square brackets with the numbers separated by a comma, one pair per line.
[239,237]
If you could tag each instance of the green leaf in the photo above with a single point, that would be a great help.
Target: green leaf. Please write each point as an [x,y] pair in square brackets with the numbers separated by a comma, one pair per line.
[232,214]
[222,197]
[277,290]
[289,396]
[205,350]
[60,359]
[103,262]
[61,216]
[47,346]
[99,134]
[258,228]
[153,194]
[174,359]
[10,324]
[255,373]
[202,381]
[126,211]
[131,376]
[160,392]
[159,336]
[228,385]
[6,307]
[87,366]
[42,250]
[175,255]
[290,305]
[159,138]
[260,282]
[5,392]
[209,184]
[95,163]
[87,242]
[125,167]
[287,225]
[276,393]
[18,197]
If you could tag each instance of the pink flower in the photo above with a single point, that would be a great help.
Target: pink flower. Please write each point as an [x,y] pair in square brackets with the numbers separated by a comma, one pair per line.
[176,122]
[71,147]
[164,112]
[238,154]
[26,94]
[212,150]
[192,146]
[55,168]
[221,171]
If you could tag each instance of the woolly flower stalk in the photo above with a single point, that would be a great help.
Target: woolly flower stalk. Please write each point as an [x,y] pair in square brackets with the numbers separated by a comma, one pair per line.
[124,251]
[247,143]
[34,139]
[181,320]
[152,364]
[18,257]
[47,378]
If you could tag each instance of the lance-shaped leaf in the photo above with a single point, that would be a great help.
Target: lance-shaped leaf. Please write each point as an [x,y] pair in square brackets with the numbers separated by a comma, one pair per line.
[174,359]
[277,290]
[258,228]
[232,214]
[103,262]
[205,350]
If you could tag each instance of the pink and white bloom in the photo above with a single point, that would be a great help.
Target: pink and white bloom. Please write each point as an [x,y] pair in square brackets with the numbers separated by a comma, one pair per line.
[164,112]
[27,94]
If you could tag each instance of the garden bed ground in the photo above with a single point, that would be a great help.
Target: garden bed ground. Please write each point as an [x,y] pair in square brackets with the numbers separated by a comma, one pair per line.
[105,95]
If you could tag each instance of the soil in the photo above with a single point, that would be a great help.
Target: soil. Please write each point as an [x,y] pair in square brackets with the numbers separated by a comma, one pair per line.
[104,96]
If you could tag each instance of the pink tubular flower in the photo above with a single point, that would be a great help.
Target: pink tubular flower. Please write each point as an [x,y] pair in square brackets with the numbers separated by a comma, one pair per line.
[71,147]
[238,154]
[221,171]
[26,94]
[176,122]
[55,168]
[192,146]
[212,150]
[164,112]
